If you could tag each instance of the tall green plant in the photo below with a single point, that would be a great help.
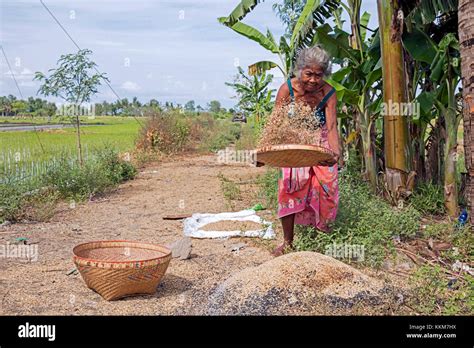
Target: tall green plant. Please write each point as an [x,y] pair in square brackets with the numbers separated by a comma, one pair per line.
[74,82]
[440,65]
[357,83]
[255,96]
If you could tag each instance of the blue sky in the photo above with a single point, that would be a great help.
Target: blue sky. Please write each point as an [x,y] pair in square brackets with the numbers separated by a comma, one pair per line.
[170,50]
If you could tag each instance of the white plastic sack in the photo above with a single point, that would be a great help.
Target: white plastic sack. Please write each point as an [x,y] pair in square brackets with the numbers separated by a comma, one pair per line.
[193,224]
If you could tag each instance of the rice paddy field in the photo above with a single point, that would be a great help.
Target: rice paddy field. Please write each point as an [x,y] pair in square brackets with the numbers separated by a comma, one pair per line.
[25,154]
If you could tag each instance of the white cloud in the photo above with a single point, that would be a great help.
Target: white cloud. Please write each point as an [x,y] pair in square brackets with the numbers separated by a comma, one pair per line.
[27,84]
[26,71]
[130,86]
[107,43]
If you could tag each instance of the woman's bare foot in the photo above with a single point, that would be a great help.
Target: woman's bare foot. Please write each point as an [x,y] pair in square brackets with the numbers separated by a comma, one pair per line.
[280,250]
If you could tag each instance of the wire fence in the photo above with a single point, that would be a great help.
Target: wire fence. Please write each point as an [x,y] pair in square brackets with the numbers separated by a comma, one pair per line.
[24,164]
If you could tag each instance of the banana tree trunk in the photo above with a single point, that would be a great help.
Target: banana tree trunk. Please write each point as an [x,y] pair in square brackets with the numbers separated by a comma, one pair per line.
[369,155]
[450,158]
[396,145]
[466,41]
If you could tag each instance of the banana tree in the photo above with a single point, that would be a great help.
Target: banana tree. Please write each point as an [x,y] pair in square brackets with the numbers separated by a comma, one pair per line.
[254,95]
[314,12]
[357,82]
[422,51]
[446,71]
[441,64]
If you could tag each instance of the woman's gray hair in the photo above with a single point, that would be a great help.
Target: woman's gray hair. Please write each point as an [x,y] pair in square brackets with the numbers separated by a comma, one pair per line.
[310,56]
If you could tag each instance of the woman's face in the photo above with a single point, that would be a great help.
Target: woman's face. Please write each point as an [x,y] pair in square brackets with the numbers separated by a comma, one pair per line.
[312,78]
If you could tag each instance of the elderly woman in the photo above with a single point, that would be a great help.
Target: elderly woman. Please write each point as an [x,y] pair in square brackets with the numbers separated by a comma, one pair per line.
[310,195]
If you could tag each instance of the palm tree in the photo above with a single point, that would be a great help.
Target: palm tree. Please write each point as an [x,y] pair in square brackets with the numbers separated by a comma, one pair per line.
[466,43]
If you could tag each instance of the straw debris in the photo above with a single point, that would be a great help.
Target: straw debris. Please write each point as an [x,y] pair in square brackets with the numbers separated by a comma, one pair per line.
[291,124]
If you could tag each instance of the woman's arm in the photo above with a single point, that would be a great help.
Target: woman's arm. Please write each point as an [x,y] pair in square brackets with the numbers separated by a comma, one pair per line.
[283,96]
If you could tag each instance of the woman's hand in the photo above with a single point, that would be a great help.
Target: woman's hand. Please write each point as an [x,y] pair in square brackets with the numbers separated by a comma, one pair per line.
[331,162]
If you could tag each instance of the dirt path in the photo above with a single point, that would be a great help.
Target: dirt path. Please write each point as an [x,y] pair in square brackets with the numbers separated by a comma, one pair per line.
[185,185]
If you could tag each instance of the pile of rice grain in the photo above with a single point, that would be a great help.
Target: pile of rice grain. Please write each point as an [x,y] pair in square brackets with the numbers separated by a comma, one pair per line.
[290,124]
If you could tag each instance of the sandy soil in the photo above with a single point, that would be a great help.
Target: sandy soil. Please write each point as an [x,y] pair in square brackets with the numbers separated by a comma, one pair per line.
[186,184]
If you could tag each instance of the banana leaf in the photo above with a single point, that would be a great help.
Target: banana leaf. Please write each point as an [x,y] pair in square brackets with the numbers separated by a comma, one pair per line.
[264,65]
[419,45]
[254,34]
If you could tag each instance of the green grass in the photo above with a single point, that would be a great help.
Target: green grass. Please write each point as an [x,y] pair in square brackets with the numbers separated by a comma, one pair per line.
[67,120]
[437,294]
[28,152]
[120,131]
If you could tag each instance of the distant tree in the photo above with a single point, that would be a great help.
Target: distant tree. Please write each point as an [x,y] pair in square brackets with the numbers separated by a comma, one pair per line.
[136,103]
[114,108]
[3,105]
[214,106]
[199,109]
[190,106]
[74,82]
[154,103]
[19,107]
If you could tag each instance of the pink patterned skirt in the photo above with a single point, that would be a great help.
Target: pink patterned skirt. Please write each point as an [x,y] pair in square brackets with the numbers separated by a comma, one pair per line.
[312,193]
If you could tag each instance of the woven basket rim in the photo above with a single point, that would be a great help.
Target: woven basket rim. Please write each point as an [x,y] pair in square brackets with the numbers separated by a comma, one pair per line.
[280,147]
[85,259]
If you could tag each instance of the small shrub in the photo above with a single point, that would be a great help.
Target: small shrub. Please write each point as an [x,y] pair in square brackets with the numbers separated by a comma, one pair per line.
[96,176]
[117,169]
[220,135]
[428,198]
[165,132]
[12,197]
[39,206]
[438,229]
[73,181]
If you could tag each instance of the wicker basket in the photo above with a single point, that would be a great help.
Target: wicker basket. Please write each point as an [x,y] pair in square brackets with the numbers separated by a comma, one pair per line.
[119,268]
[293,155]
